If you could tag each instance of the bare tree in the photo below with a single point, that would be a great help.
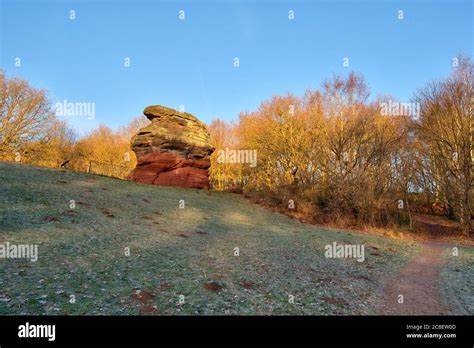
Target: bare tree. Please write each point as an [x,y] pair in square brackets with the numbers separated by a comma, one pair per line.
[26,115]
[446,128]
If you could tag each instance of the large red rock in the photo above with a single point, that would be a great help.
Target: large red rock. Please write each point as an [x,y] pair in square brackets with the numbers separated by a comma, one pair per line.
[173,150]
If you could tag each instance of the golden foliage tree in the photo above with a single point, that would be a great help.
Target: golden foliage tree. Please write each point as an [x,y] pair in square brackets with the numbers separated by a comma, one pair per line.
[329,148]
[446,130]
[26,117]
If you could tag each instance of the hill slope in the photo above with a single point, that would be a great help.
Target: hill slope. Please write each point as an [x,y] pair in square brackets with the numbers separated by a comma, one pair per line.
[174,251]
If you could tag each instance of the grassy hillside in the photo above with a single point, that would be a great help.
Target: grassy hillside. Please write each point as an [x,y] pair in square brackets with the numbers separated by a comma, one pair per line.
[173,252]
[457,279]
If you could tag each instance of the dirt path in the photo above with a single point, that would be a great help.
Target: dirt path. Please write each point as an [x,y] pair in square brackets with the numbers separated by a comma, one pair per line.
[419,280]
[418,283]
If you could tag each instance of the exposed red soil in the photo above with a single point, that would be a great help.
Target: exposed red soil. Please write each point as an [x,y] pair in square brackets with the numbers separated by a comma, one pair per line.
[214,286]
[107,212]
[165,286]
[69,212]
[247,285]
[50,219]
[147,309]
[142,296]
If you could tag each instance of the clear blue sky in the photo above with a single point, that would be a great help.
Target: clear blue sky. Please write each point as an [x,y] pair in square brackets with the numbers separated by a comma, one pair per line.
[190,62]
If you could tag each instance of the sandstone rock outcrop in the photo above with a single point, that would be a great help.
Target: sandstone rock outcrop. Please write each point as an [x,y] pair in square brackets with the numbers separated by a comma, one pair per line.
[173,150]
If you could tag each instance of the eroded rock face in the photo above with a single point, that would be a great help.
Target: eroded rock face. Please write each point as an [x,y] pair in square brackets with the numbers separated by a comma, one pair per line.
[173,150]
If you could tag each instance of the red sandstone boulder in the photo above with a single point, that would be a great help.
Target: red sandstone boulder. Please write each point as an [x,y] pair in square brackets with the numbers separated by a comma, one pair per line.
[173,150]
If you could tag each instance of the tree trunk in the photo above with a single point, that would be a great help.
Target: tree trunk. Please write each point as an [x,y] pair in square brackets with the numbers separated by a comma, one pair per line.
[467,221]
[409,211]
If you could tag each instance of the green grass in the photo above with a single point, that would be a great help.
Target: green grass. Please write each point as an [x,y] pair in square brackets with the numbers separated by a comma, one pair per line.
[174,251]
[457,280]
